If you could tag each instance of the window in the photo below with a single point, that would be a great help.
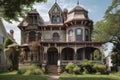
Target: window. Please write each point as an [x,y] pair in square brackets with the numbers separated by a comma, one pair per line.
[55,36]
[33,19]
[56,19]
[78,34]
[86,34]
[53,19]
[32,36]
[70,34]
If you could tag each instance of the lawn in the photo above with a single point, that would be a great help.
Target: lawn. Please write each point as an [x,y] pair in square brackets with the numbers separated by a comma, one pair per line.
[89,77]
[15,76]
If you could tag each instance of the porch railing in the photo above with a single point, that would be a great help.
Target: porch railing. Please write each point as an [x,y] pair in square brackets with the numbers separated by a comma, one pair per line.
[65,62]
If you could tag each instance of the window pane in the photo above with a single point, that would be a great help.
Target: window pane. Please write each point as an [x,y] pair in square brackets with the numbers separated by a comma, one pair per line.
[70,32]
[78,37]
[32,36]
[58,19]
[55,36]
[78,34]
[78,31]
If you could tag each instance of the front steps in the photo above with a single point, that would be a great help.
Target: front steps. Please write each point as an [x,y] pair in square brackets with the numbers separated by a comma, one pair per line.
[52,69]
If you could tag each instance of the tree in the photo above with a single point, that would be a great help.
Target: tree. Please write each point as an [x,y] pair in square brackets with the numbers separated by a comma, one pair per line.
[11,52]
[34,49]
[108,29]
[8,42]
[14,9]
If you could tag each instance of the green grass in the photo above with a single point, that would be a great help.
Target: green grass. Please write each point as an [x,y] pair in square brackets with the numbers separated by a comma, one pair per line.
[15,76]
[89,77]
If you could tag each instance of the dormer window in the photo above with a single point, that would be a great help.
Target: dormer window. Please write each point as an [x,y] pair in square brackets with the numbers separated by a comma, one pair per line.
[56,19]
[33,19]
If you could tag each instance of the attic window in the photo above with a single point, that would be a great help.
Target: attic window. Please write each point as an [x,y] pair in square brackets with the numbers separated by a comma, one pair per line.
[33,19]
[56,19]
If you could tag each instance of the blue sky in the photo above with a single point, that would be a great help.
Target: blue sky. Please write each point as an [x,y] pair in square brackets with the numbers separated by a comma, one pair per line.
[96,9]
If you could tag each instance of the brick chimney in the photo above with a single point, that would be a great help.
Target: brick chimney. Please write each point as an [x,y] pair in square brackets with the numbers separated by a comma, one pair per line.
[12,33]
[65,12]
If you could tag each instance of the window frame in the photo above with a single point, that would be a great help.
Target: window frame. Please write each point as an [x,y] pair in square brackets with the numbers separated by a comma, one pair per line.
[70,35]
[78,35]
[86,35]
[54,37]
[33,38]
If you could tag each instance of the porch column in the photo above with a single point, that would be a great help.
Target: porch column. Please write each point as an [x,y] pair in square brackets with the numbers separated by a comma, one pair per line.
[75,55]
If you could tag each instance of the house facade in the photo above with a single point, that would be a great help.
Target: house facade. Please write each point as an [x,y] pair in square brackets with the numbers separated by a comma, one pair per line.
[65,38]
[3,35]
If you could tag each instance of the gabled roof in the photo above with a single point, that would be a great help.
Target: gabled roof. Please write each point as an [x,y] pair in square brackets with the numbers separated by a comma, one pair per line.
[26,21]
[55,5]
[33,11]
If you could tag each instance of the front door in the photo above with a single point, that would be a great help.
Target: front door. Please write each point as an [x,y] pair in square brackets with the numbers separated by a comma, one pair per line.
[52,56]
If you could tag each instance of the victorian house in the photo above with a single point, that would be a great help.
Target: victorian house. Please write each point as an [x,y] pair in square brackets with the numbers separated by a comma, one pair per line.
[3,35]
[65,38]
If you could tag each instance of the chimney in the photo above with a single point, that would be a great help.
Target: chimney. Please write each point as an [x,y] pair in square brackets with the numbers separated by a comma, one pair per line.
[12,33]
[65,12]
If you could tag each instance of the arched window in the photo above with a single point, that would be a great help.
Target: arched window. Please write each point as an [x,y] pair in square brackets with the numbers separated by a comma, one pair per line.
[86,34]
[55,36]
[32,36]
[70,35]
[78,34]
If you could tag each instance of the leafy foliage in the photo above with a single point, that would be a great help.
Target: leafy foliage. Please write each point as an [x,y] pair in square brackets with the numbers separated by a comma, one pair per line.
[76,70]
[99,68]
[69,67]
[87,66]
[108,30]
[30,70]
[14,9]
[12,53]
[7,42]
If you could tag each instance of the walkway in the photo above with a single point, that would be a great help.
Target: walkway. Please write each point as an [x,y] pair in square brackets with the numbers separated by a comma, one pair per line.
[54,78]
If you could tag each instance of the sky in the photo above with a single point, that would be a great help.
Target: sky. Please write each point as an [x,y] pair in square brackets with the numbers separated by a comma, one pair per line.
[96,9]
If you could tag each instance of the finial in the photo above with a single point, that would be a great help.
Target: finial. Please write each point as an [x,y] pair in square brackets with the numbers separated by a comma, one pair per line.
[78,2]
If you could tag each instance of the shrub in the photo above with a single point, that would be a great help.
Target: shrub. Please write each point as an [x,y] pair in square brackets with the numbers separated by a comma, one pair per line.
[76,69]
[30,70]
[99,68]
[59,70]
[69,67]
[22,69]
[87,65]
[85,71]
